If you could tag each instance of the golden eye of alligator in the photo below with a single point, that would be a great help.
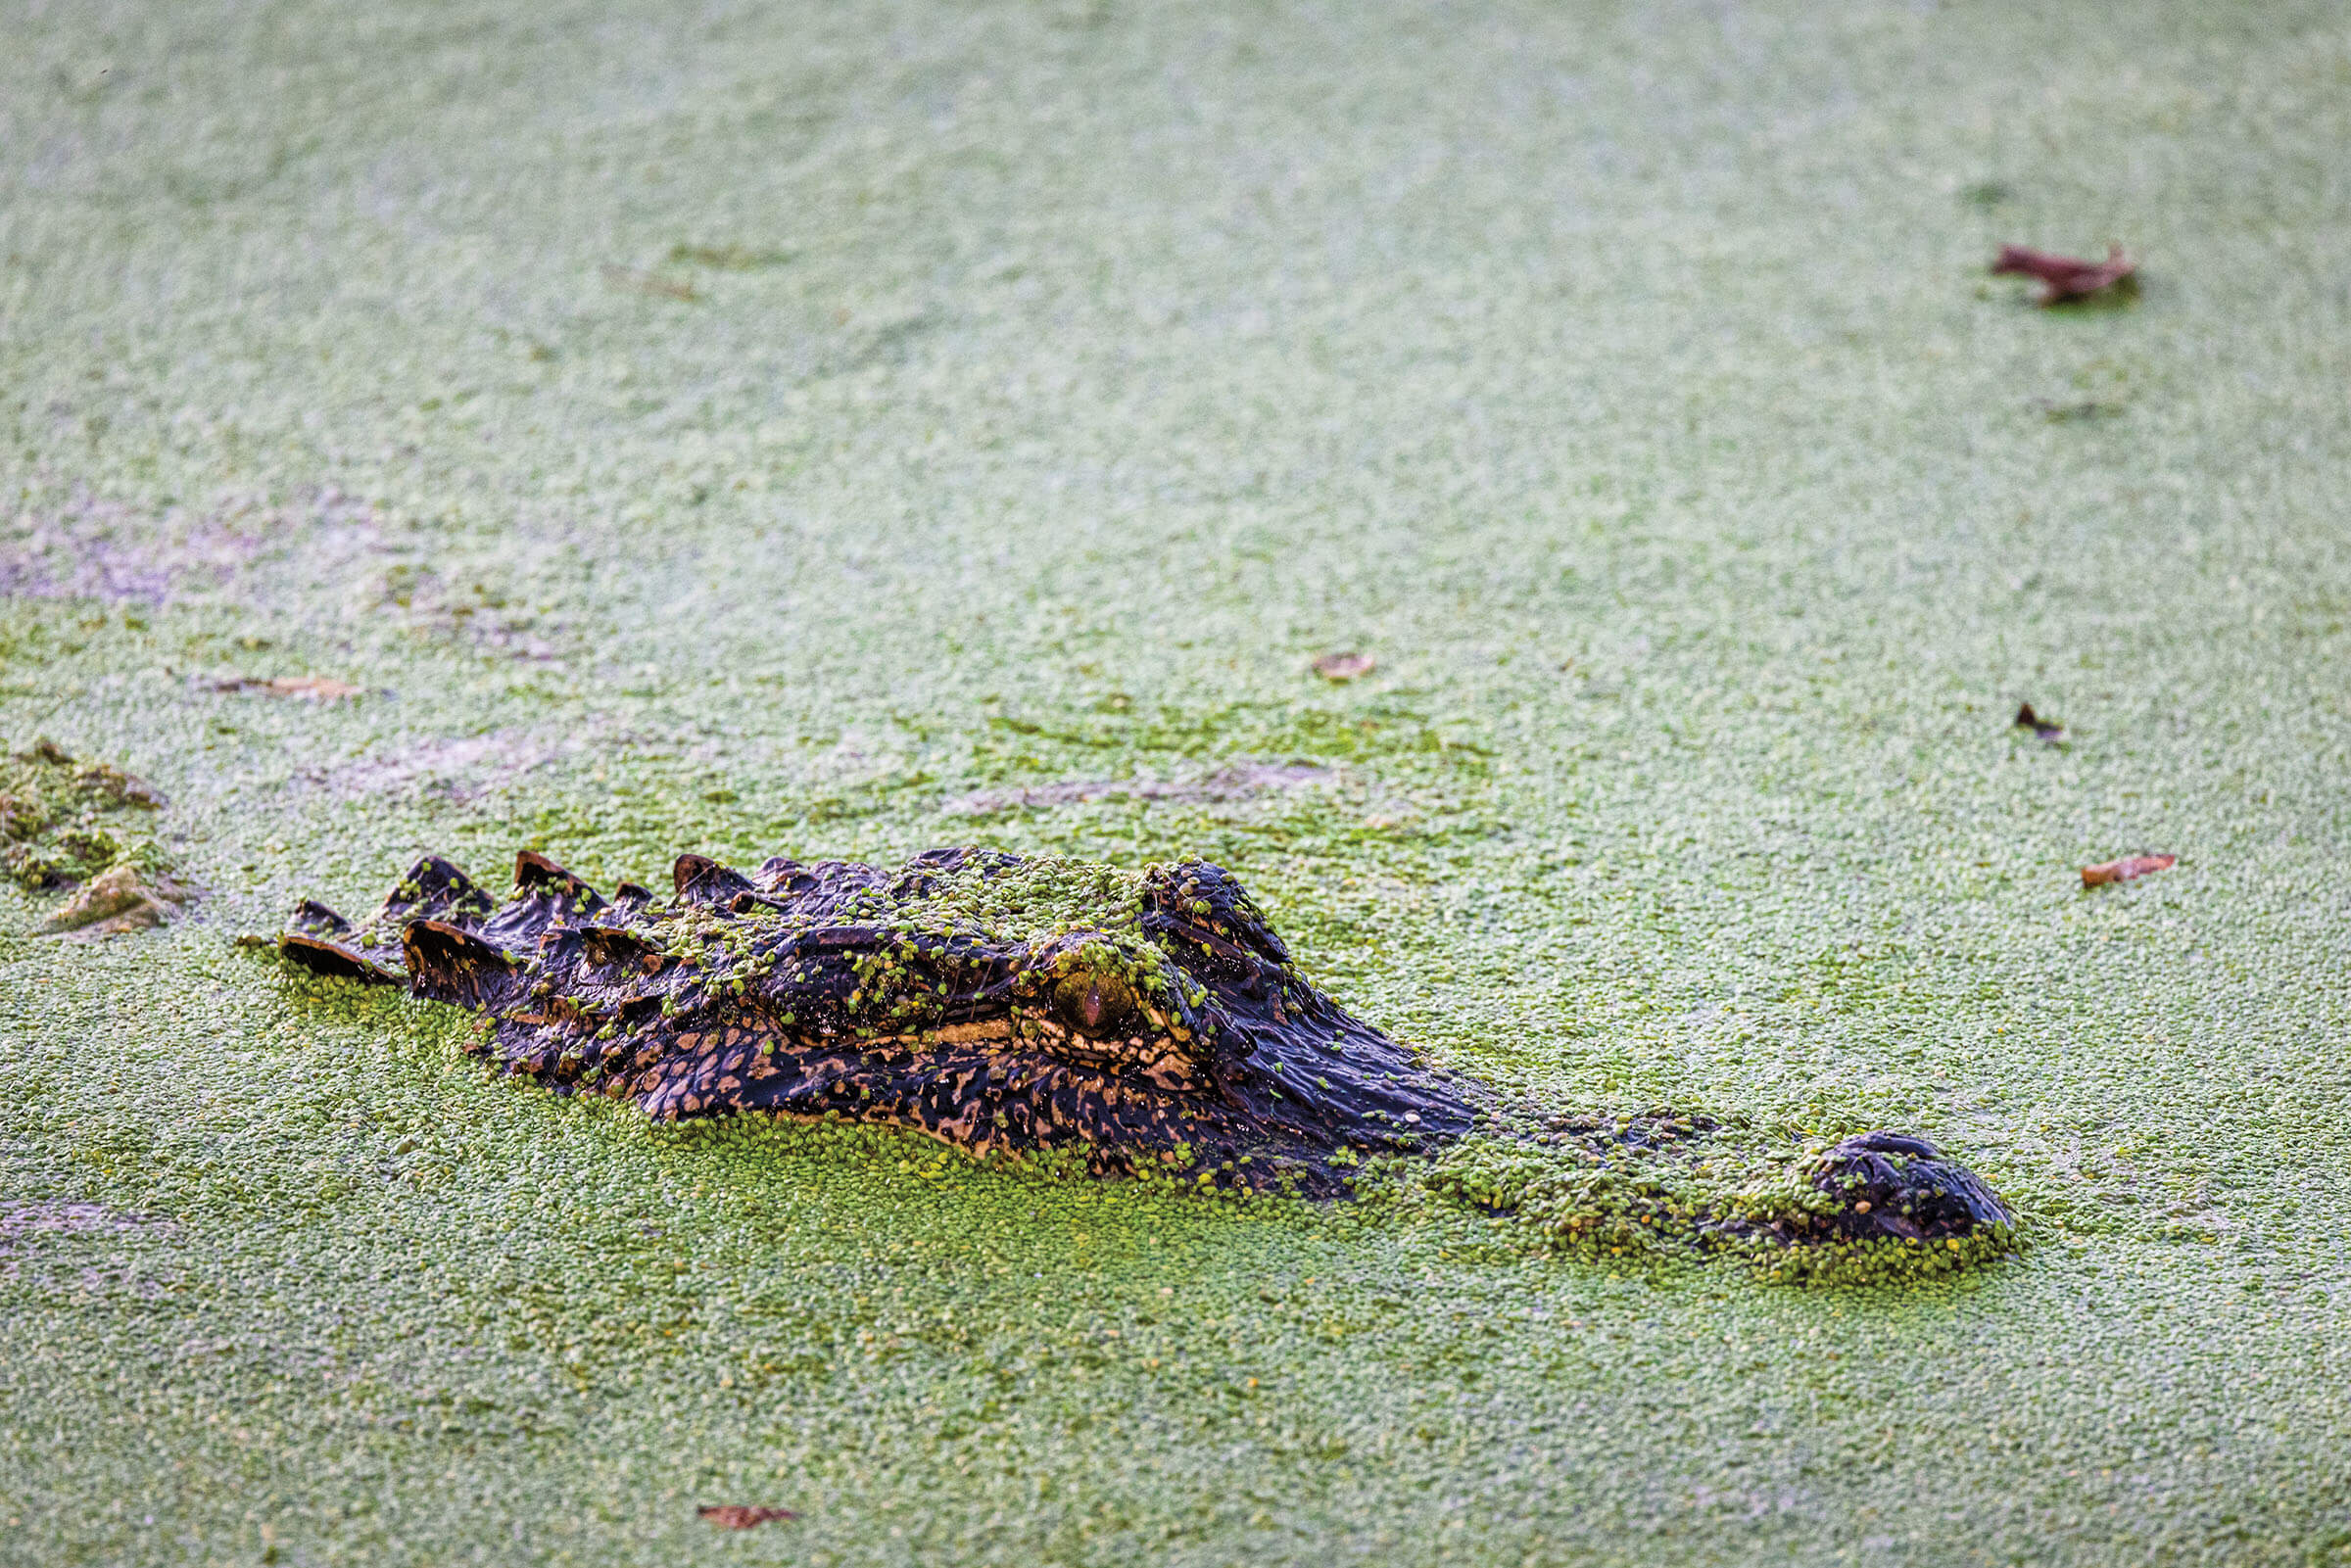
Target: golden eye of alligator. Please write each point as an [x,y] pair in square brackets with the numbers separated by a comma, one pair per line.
[1096,1004]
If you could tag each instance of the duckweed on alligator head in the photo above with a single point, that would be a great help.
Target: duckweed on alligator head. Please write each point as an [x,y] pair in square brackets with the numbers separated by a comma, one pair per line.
[1150,1021]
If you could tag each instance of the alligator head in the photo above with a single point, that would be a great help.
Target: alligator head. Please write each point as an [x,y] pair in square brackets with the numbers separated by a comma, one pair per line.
[1145,1019]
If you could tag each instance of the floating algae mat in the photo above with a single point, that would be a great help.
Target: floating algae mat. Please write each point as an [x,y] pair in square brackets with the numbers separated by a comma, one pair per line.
[1550,499]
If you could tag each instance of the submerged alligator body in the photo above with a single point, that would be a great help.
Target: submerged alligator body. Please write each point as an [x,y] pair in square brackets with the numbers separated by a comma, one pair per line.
[1147,1020]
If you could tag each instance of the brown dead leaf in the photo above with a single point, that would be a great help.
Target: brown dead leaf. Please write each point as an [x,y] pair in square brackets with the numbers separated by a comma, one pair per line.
[309,688]
[1345,666]
[621,277]
[741,1516]
[730,257]
[2123,869]
[2065,277]
[2049,730]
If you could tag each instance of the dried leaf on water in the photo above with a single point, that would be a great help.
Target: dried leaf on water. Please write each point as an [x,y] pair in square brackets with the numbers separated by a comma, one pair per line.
[729,257]
[2049,730]
[1345,666]
[741,1516]
[2074,413]
[309,688]
[2123,869]
[2065,277]
[622,278]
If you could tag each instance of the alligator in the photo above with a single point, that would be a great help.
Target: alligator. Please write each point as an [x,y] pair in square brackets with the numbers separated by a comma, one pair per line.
[1144,1020]
[995,1002]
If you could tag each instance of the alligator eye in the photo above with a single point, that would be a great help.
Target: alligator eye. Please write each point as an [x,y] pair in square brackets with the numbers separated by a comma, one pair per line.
[1096,1004]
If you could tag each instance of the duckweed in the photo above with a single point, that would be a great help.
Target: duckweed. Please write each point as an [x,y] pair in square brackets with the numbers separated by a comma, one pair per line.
[1622,381]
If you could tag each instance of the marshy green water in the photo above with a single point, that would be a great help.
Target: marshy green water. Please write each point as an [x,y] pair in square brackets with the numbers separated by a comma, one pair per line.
[842,430]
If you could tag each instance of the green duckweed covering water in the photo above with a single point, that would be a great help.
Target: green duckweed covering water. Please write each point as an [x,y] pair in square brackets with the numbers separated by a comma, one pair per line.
[825,429]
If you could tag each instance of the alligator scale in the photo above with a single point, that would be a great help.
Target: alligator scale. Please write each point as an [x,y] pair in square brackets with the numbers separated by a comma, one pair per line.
[995,1002]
